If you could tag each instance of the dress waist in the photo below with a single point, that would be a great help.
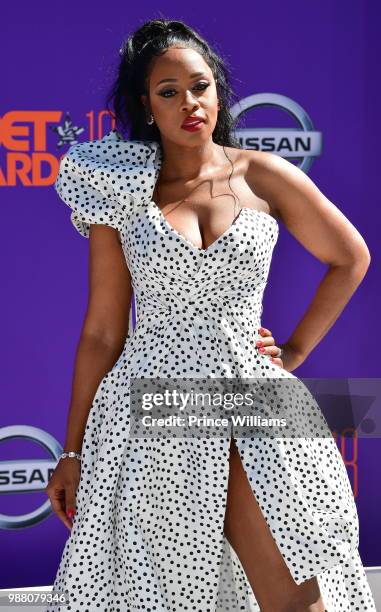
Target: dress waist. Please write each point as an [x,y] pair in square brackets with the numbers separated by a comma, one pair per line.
[246,312]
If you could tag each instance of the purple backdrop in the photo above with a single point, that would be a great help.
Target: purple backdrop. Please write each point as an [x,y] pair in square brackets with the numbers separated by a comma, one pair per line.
[323,56]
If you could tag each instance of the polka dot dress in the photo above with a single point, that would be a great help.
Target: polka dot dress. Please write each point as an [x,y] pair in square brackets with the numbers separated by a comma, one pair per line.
[148,534]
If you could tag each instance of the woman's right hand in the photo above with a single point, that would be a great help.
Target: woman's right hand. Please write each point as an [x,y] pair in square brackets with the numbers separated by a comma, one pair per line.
[62,488]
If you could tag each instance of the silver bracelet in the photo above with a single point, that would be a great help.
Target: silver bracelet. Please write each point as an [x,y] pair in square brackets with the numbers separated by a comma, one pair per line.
[70,454]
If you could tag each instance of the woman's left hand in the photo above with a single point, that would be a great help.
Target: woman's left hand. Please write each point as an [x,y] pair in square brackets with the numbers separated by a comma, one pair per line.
[267,346]
[281,354]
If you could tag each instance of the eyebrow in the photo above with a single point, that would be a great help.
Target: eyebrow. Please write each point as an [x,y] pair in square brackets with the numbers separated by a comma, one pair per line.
[191,76]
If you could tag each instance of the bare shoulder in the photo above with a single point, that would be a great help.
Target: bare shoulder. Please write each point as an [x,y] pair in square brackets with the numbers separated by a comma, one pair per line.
[244,161]
[285,187]
[265,171]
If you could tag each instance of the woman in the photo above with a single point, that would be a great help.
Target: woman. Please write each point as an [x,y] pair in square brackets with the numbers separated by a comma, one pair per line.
[211,524]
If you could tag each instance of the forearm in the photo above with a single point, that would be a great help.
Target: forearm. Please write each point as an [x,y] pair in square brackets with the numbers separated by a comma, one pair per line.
[332,294]
[94,358]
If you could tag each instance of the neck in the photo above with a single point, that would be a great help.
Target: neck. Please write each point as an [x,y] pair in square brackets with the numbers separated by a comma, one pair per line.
[189,163]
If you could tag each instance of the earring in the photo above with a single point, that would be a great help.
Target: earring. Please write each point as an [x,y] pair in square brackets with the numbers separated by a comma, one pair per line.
[151,120]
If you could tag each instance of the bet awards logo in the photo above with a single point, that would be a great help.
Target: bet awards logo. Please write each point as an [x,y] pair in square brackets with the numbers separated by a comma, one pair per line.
[302,142]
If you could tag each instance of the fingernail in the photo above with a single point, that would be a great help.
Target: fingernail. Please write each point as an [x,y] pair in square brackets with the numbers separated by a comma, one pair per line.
[260,329]
[259,343]
[70,513]
[262,350]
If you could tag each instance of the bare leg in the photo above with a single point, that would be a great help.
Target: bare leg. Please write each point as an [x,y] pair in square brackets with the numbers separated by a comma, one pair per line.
[248,533]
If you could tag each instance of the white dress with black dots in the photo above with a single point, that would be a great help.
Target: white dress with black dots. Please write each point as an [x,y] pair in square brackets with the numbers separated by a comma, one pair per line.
[148,534]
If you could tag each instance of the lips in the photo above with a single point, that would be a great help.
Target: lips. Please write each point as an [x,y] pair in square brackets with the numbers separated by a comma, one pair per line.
[190,121]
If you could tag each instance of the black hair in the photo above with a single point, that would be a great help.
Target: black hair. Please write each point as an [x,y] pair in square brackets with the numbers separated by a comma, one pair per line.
[137,51]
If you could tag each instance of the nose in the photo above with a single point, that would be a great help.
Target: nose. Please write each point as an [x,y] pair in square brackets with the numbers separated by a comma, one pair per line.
[190,101]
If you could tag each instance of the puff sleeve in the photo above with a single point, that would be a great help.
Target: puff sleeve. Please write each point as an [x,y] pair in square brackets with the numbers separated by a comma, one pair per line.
[101,180]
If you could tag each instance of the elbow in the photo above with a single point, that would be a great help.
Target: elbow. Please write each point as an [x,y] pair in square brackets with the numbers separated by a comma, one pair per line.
[363,260]
[357,264]
[360,263]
